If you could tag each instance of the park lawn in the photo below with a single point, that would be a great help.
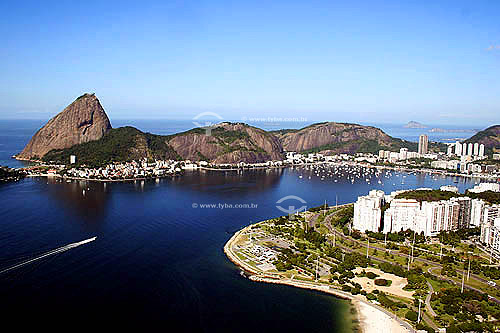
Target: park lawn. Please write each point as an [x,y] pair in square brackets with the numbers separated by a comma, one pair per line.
[438,284]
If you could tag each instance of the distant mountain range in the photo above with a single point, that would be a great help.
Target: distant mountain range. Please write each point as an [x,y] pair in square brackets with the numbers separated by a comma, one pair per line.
[83,129]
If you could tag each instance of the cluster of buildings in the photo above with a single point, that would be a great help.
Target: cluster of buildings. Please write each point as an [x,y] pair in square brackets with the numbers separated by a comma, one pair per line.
[460,157]
[423,150]
[484,187]
[378,212]
[127,170]
[467,164]
[402,155]
[464,149]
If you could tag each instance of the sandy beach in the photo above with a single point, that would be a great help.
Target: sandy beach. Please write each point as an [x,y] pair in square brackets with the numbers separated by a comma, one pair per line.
[374,320]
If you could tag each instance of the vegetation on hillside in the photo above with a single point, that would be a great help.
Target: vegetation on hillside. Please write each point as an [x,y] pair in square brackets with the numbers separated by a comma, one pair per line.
[229,140]
[117,145]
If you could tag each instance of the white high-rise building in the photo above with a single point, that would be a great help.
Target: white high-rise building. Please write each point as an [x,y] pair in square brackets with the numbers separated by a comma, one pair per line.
[476,149]
[463,214]
[490,234]
[470,149]
[367,212]
[481,150]
[449,151]
[423,143]
[490,228]
[476,213]
[401,215]
[458,148]
[464,149]
[437,216]
[429,217]
[403,153]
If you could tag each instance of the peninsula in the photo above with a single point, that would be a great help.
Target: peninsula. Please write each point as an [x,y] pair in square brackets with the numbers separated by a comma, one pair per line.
[401,280]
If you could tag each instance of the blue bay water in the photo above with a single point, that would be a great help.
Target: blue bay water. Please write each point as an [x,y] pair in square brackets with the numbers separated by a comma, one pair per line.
[157,261]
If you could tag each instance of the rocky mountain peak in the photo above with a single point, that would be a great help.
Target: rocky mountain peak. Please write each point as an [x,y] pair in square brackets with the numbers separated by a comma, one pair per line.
[82,121]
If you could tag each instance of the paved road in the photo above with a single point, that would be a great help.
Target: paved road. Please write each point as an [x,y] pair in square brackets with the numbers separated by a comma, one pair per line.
[425,318]
[428,262]
[435,265]
[428,300]
[441,277]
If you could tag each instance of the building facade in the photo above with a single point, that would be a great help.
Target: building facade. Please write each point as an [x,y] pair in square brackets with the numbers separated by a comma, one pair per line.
[423,143]
[368,212]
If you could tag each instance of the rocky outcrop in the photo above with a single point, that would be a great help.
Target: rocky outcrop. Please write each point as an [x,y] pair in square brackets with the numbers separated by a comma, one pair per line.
[334,137]
[227,143]
[82,121]
[223,143]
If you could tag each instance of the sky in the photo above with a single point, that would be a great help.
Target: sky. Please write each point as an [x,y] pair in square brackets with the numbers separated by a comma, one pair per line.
[360,61]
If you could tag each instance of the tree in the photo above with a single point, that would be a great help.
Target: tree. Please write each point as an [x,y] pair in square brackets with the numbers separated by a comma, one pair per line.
[381,282]
[411,315]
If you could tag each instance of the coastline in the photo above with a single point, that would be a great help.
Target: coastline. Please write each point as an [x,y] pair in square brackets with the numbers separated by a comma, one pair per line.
[372,318]
[99,179]
[383,167]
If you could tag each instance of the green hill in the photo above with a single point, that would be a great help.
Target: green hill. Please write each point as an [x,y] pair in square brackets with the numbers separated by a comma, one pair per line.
[118,144]
[490,137]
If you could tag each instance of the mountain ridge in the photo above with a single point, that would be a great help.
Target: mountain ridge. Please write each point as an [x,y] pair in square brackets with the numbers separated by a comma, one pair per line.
[225,142]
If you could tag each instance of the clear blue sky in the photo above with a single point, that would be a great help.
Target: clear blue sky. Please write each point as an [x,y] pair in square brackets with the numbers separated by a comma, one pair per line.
[368,61]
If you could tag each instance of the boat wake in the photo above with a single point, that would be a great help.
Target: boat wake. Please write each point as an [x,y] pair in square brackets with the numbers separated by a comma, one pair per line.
[48,254]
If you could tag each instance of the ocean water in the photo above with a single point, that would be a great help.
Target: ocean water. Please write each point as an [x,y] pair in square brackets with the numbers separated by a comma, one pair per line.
[158,262]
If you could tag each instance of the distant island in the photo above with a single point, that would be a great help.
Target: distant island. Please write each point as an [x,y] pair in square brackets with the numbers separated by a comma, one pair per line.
[414,124]
[445,130]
